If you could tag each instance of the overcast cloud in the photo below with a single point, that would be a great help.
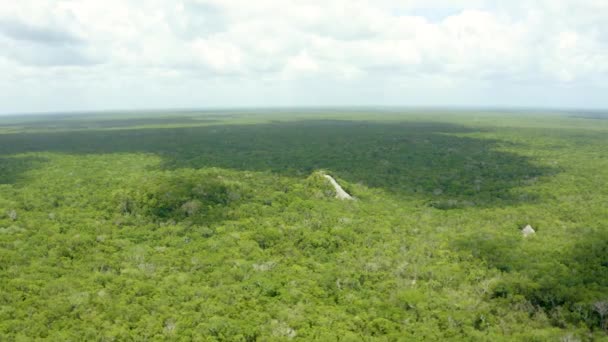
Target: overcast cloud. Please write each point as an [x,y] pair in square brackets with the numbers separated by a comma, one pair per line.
[121,54]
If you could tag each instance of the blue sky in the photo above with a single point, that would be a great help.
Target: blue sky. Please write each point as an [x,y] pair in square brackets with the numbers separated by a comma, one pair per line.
[70,55]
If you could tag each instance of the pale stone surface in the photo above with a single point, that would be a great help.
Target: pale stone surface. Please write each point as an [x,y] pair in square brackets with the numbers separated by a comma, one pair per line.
[528,230]
[340,193]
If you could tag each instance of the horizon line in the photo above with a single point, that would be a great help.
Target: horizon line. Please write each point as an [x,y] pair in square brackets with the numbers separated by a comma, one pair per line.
[307,107]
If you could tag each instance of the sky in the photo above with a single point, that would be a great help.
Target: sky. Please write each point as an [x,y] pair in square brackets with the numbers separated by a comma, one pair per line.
[71,55]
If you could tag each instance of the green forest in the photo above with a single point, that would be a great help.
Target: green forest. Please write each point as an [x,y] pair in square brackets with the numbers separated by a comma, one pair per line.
[220,226]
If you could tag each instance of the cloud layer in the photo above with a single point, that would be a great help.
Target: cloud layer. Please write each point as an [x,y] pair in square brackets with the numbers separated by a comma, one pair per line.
[89,54]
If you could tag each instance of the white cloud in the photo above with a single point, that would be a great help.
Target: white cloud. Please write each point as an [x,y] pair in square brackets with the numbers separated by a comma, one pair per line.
[96,46]
[218,55]
[301,63]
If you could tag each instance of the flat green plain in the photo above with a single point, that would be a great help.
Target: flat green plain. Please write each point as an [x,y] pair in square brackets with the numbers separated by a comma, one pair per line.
[218,226]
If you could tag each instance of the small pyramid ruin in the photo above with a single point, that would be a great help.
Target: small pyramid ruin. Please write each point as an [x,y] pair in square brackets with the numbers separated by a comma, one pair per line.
[528,230]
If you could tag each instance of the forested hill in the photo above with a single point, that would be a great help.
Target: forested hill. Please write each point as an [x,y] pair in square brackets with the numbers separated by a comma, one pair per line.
[221,227]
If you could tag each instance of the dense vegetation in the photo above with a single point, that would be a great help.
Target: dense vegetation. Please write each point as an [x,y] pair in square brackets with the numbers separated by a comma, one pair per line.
[219,226]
